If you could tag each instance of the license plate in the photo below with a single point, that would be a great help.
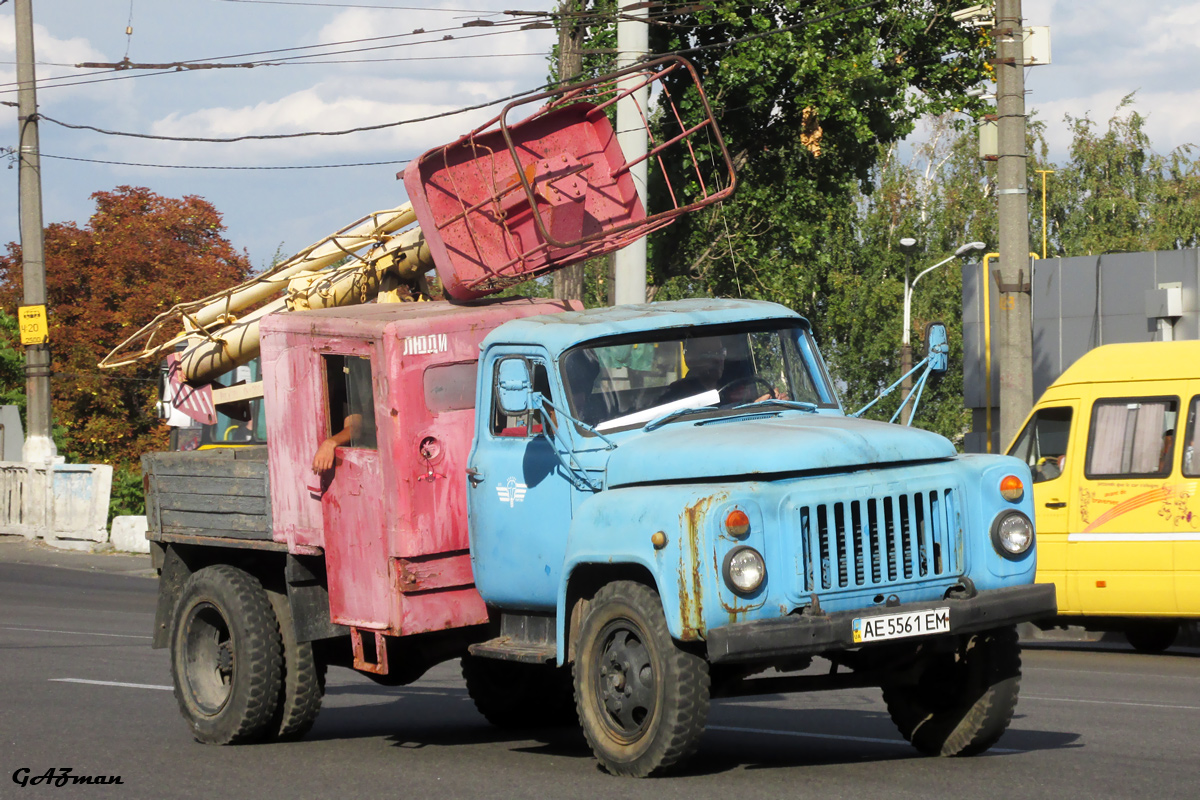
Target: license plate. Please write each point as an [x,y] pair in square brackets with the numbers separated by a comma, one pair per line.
[897,626]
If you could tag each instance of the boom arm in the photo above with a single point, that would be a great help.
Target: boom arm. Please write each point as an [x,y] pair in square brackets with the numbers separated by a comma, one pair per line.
[504,203]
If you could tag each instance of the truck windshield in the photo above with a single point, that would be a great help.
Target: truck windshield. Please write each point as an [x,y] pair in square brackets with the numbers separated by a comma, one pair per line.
[619,384]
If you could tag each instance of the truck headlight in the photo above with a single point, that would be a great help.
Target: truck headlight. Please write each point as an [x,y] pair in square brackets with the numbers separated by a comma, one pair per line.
[1012,533]
[744,570]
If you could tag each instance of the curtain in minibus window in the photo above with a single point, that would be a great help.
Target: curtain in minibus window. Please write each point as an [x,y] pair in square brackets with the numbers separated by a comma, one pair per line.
[1132,437]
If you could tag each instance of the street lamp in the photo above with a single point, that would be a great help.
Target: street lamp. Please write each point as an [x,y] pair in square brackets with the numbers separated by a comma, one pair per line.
[905,345]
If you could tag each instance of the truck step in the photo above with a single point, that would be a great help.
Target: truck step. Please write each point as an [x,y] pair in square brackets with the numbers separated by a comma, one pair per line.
[507,648]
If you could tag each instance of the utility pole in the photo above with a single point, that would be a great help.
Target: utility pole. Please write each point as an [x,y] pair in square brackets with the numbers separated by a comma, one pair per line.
[39,447]
[633,42]
[568,282]
[1015,272]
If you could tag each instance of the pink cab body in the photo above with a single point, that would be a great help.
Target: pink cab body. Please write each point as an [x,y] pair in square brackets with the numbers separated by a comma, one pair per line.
[391,521]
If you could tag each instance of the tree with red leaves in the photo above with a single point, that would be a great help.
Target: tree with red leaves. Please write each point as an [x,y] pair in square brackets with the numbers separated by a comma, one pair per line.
[139,254]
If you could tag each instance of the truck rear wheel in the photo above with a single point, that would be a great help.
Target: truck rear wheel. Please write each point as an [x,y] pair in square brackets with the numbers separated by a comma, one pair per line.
[1152,636]
[514,695]
[225,656]
[962,701]
[302,687]
[642,700]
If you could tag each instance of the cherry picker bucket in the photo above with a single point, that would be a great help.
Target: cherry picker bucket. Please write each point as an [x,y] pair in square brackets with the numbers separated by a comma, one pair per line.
[510,201]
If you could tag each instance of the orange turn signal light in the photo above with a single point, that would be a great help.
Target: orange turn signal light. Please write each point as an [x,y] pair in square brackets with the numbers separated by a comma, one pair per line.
[1011,488]
[737,523]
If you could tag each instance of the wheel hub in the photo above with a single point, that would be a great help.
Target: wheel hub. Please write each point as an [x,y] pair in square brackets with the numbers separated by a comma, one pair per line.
[626,681]
[208,658]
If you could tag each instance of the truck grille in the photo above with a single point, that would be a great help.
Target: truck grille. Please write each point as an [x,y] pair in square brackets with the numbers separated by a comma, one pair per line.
[879,541]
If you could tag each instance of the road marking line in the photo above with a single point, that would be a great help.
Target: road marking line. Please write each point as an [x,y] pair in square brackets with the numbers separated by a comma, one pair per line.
[113,683]
[77,633]
[1109,702]
[1138,675]
[833,736]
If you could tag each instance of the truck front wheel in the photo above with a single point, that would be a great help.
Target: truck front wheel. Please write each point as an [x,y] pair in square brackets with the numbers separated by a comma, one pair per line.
[642,700]
[225,656]
[963,700]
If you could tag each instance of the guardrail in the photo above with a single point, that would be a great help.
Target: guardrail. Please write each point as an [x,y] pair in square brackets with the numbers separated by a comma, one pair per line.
[78,515]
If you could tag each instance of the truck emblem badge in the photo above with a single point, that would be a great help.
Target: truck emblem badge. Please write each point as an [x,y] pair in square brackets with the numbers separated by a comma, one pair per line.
[512,492]
[424,345]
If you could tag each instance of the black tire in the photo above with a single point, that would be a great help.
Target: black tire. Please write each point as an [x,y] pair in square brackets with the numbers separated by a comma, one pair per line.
[964,700]
[225,656]
[302,687]
[516,696]
[1152,636]
[642,700]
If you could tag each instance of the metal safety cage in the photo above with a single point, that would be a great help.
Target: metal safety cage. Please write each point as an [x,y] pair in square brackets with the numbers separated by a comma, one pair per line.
[514,200]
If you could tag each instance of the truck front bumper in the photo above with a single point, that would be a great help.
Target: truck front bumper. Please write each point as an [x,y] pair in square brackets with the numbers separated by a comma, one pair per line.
[800,635]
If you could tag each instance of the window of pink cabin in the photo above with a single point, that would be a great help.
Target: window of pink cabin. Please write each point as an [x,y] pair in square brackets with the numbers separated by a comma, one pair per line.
[351,399]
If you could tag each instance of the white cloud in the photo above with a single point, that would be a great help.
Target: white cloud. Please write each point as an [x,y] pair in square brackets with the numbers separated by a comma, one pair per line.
[327,107]
[55,56]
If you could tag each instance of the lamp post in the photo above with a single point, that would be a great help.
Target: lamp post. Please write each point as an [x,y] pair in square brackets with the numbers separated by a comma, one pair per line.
[906,334]
[908,246]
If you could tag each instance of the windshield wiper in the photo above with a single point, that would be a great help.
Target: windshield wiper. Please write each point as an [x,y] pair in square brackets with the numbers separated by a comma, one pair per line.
[658,422]
[799,405]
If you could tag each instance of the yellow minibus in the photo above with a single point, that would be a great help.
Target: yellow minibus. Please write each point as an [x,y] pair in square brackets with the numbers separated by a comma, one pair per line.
[1115,454]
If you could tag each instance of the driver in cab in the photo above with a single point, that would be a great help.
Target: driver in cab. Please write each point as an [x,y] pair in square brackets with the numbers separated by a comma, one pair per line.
[706,371]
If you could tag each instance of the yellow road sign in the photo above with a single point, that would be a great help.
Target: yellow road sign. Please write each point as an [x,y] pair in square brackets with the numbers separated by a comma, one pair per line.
[34,329]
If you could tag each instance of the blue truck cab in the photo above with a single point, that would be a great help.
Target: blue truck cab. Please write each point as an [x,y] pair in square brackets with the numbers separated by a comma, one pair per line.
[669,500]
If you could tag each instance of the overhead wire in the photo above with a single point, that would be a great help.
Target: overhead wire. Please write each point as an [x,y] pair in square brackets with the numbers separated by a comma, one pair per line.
[129,31]
[362,5]
[509,27]
[397,123]
[215,167]
[303,134]
[516,24]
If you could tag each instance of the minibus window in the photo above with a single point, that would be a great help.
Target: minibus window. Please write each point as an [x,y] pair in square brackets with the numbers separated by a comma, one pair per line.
[1132,437]
[1043,443]
[1191,443]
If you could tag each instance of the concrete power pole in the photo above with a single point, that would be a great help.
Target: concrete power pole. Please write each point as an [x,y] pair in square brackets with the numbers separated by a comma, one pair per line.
[39,447]
[568,282]
[633,42]
[1014,330]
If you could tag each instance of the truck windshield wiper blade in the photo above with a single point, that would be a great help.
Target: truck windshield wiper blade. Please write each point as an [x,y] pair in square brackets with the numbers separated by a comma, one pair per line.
[796,404]
[658,422]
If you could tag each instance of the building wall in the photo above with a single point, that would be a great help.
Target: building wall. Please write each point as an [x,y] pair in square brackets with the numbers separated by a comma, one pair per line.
[1078,303]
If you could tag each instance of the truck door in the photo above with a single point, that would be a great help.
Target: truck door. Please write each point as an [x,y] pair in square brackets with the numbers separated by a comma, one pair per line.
[352,503]
[1044,445]
[519,498]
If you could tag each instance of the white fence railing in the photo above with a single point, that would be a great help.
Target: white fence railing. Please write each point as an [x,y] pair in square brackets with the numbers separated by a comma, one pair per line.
[79,511]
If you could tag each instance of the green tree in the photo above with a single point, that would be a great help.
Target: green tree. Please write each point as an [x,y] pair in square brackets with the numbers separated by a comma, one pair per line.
[806,108]
[12,363]
[943,197]
[811,98]
[1117,194]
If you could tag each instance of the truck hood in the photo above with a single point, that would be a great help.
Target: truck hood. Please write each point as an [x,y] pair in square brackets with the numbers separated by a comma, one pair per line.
[788,442]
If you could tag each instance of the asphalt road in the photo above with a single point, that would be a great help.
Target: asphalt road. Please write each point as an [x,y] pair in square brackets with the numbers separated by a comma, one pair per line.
[81,688]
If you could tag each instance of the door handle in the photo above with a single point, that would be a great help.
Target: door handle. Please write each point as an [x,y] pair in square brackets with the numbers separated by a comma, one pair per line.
[474,476]
[1056,505]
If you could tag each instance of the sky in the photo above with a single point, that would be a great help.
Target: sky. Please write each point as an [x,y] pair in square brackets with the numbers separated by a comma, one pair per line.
[1102,51]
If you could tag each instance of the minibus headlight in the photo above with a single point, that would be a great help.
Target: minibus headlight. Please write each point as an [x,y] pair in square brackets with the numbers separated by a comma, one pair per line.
[1012,533]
